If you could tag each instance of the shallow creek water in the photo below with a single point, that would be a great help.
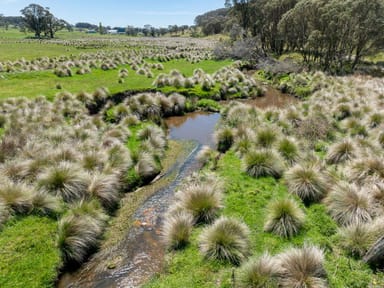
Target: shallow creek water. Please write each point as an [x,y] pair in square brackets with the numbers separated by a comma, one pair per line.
[140,254]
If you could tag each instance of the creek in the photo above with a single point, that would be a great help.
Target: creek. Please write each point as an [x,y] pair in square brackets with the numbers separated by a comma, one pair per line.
[140,254]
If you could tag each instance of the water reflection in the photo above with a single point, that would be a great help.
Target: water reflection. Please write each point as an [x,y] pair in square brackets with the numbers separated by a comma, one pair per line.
[198,126]
[271,98]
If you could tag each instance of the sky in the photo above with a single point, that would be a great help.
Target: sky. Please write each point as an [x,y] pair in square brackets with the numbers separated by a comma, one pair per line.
[120,13]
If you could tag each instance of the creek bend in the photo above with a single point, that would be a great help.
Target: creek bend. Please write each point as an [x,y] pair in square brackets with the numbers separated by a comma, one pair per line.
[139,254]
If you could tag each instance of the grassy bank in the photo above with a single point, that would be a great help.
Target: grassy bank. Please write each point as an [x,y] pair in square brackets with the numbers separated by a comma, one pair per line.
[247,198]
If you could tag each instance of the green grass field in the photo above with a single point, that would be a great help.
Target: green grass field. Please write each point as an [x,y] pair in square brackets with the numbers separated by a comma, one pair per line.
[32,84]
[28,252]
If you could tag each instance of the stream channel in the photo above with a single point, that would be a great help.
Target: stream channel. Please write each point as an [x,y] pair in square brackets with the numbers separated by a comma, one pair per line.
[140,254]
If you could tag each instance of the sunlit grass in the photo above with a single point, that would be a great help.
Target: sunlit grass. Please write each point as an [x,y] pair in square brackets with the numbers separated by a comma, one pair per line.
[32,84]
[247,199]
[28,253]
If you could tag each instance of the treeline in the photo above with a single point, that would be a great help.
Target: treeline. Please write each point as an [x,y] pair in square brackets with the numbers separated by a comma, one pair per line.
[148,30]
[331,34]
[7,21]
[215,22]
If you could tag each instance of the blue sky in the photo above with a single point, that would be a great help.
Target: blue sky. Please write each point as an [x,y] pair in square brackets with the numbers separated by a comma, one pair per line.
[120,13]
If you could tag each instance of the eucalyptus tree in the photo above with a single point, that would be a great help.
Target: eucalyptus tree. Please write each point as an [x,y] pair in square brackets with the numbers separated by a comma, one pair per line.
[334,34]
[242,11]
[41,21]
[34,18]
[265,18]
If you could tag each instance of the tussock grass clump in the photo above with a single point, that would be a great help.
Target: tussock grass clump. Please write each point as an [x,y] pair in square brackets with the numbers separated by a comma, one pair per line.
[289,150]
[260,272]
[205,154]
[4,214]
[90,208]
[146,166]
[63,72]
[366,169]
[130,120]
[302,268]
[342,111]
[263,163]
[63,153]
[119,132]
[76,236]
[284,218]
[93,160]
[355,127]
[176,230]
[357,238]
[179,102]
[307,182]
[17,197]
[105,188]
[375,120]
[157,143]
[65,180]
[224,139]
[119,158]
[243,145]
[266,137]
[16,170]
[202,200]
[341,152]
[79,232]
[150,131]
[226,239]
[315,127]
[45,204]
[348,204]
[380,139]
